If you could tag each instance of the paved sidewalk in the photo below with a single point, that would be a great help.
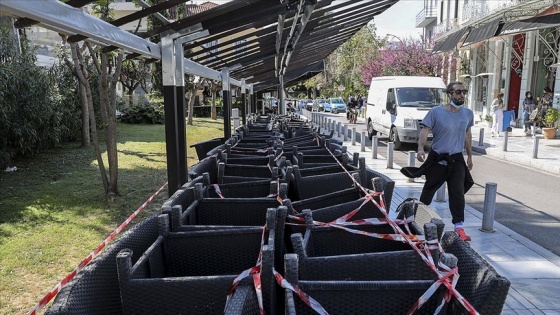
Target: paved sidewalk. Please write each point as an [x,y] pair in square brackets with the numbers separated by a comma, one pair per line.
[534,272]
[519,148]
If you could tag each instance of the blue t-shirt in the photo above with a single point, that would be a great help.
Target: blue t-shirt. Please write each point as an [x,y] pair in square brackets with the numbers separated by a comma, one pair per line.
[448,128]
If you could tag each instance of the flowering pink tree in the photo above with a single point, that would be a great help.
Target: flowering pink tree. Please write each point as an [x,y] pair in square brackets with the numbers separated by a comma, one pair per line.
[402,57]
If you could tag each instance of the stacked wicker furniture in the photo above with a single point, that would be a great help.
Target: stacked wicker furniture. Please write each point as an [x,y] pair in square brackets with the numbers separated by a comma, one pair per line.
[279,201]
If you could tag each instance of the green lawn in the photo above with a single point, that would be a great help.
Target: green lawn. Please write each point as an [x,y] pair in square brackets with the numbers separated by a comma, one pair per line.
[53,212]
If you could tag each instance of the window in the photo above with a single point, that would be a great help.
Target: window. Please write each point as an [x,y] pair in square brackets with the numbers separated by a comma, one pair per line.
[456,13]
[441,11]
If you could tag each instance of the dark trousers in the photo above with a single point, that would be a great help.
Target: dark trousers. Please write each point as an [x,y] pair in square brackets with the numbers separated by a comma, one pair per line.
[455,178]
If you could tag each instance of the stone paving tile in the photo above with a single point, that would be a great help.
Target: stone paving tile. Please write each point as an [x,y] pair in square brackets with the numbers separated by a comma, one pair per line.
[544,294]
[523,270]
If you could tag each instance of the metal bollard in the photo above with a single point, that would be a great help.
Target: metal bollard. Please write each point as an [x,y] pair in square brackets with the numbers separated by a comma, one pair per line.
[489,208]
[440,194]
[363,141]
[339,126]
[329,125]
[481,137]
[353,135]
[535,147]
[505,142]
[411,162]
[333,125]
[390,148]
[345,132]
[374,147]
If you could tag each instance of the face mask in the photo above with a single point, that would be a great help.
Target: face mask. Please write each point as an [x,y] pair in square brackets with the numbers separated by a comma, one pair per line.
[455,105]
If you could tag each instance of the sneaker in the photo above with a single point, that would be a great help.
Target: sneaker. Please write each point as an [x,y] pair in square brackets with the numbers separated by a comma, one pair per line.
[463,235]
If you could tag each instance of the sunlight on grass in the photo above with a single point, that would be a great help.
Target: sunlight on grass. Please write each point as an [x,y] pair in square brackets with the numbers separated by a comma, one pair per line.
[54,212]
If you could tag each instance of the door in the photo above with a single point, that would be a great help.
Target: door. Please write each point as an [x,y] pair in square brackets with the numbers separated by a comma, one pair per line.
[388,112]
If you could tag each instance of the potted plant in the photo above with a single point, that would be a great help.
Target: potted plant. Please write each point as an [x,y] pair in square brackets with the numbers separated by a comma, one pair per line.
[550,123]
[488,119]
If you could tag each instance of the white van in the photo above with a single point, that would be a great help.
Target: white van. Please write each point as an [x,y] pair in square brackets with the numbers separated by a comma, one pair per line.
[396,106]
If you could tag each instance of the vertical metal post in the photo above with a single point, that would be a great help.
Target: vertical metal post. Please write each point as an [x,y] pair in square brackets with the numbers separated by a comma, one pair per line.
[181,114]
[505,142]
[252,100]
[281,102]
[345,132]
[170,111]
[390,149]
[440,194]
[243,102]
[339,125]
[411,162]
[374,147]
[329,125]
[489,207]
[353,135]
[227,102]
[363,141]
[481,137]
[535,147]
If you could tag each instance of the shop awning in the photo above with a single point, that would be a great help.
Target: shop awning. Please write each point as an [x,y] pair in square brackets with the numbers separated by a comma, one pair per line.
[531,24]
[451,41]
[484,32]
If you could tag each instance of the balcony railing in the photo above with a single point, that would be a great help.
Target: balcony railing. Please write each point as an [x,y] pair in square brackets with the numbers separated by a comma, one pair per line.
[446,27]
[476,11]
[426,16]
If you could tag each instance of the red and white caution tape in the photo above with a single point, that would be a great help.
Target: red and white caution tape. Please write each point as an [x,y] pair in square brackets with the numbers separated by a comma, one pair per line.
[217,190]
[311,302]
[54,291]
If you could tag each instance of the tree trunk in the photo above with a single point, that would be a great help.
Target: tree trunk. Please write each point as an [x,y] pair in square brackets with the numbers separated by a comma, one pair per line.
[85,116]
[107,91]
[191,106]
[84,82]
[213,113]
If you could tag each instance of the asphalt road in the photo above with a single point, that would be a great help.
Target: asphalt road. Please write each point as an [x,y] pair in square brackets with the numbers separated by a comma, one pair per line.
[528,200]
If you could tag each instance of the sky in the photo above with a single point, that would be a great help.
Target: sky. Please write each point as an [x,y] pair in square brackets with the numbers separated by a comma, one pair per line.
[399,20]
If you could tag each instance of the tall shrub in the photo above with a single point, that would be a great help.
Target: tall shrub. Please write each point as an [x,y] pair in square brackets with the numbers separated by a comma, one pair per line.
[33,115]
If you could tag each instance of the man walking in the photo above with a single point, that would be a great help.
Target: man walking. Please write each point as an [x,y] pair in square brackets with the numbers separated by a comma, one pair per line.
[450,125]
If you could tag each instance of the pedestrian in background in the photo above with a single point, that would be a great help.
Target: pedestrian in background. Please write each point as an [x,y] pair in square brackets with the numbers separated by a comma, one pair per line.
[497,109]
[528,107]
[546,101]
[450,124]
[360,105]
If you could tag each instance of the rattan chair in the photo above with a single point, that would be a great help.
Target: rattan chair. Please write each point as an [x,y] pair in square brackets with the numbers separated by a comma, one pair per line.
[95,289]
[479,282]
[356,296]
[312,186]
[330,241]
[227,211]
[202,148]
[170,279]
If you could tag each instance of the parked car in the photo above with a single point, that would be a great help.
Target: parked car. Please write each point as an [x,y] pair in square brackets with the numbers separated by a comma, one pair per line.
[319,105]
[337,105]
[327,105]
[309,104]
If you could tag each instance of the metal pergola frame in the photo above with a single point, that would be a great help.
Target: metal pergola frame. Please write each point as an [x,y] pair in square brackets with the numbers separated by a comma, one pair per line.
[282,40]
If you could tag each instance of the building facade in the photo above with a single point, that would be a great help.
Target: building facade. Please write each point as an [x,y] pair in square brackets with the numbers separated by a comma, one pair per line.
[493,46]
